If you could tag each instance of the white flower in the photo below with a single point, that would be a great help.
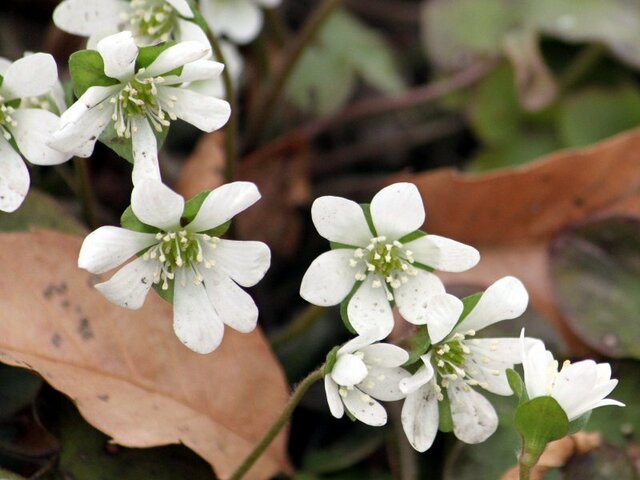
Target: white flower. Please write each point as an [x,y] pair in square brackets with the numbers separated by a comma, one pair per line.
[22,122]
[365,371]
[578,387]
[151,21]
[240,20]
[378,260]
[205,271]
[142,101]
[460,362]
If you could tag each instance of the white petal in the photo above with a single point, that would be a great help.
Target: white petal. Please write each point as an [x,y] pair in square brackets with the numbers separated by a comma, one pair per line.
[32,134]
[29,76]
[14,178]
[474,418]
[195,322]
[240,20]
[333,397]
[201,111]
[443,313]
[130,285]
[369,309]
[119,53]
[4,65]
[504,300]
[196,71]
[443,253]
[413,297]
[176,56]
[340,220]
[85,17]
[223,203]
[156,204]
[268,3]
[538,365]
[422,377]
[182,7]
[573,387]
[82,123]
[488,361]
[420,417]
[365,408]
[246,262]
[384,355]
[383,383]
[107,247]
[188,31]
[234,306]
[348,370]
[359,342]
[145,151]
[397,210]
[329,278]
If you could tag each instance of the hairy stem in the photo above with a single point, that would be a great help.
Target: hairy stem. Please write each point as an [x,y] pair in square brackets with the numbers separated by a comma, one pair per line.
[86,193]
[280,422]
[231,131]
[266,103]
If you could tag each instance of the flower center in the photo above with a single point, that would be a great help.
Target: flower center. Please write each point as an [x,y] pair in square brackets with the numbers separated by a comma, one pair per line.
[450,360]
[181,249]
[151,21]
[139,97]
[6,119]
[392,261]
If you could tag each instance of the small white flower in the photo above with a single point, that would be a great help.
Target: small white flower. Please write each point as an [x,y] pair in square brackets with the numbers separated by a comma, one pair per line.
[25,122]
[387,269]
[150,21]
[365,371]
[142,101]
[205,271]
[239,20]
[457,362]
[578,387]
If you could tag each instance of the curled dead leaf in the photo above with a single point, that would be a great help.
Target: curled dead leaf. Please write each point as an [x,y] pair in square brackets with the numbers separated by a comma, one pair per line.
[126,370]
[512,215]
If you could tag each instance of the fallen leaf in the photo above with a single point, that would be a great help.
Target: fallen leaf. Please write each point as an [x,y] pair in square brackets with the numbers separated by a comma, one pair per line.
[126,370]
[512,215]
[281,173]
[204,169]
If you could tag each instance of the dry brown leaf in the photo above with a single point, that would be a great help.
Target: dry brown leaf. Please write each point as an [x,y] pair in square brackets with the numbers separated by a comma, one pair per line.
[204,169]
[282,175]
[128,373]
[558,453]
[512,215]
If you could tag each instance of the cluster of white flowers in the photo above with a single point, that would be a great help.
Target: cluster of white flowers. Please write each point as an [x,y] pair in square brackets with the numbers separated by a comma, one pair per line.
[380,260]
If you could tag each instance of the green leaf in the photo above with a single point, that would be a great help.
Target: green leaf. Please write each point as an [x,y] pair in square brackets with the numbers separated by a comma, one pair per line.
[516,384]
[325,76]
[595,270]
[469,304]
[410,237]
[344,307]
[86,68]
[332,358]
[147,55]
[444,414]
[540,421]
[351,448]
[129,221]
[418,345]
[166,295]
[616,110]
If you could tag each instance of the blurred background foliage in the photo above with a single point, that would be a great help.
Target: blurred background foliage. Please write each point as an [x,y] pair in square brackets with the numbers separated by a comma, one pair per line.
[385,86]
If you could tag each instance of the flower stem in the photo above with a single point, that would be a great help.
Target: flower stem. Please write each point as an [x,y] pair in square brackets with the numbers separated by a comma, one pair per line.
[86,194]
[280,422]
[231,131]
[264,108]
[302,323]
[527,461]
[583,62]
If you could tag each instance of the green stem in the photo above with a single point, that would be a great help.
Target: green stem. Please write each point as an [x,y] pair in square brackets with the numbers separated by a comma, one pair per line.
[280,422]
[86,194]
[581,65]
[299,325]
[266,103]
[231,131]
[527,461]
